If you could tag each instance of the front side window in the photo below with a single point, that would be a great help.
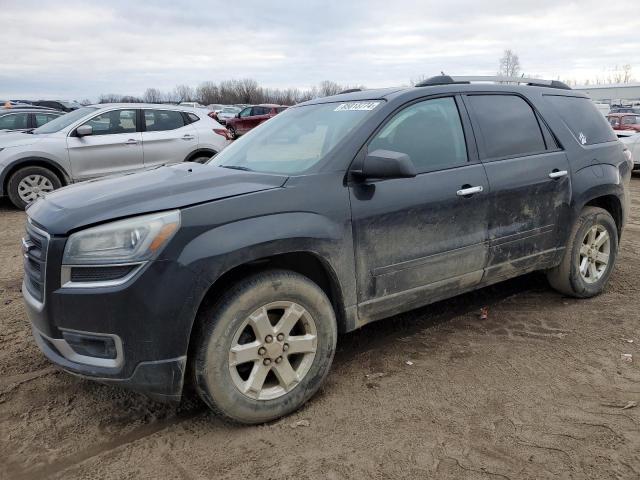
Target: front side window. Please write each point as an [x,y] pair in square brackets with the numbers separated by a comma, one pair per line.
[246,112]
[296,140]
[114,122]
[430,132]
[161,120]
[614,121]
[42,118]
[14,121]
[508,126]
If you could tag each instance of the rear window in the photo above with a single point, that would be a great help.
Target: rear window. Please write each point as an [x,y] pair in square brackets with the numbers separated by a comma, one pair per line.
[508,125]
[584,120]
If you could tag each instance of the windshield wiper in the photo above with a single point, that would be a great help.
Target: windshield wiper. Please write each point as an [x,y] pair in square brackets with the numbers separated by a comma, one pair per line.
[237,167]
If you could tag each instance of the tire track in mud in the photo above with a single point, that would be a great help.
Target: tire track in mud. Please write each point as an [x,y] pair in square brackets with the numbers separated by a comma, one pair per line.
[58,466]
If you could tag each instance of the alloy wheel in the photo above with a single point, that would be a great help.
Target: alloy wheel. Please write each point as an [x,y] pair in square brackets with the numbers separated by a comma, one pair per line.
[594,254]
[273,350]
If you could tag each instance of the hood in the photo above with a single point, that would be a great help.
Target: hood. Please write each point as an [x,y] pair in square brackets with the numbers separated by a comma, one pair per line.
[18,139]
[157,189]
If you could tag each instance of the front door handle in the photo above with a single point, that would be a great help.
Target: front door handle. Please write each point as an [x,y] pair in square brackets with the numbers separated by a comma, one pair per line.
[188,137]
[468,190]
[131,141]
[558,174]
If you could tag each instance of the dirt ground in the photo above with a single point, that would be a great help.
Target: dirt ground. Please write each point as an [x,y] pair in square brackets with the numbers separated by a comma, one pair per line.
[535,391]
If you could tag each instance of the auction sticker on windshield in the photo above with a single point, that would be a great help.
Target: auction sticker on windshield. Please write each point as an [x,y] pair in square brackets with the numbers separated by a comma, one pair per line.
[351,106]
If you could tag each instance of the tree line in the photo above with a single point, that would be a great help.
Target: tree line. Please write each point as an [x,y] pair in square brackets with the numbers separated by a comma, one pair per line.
[229,92]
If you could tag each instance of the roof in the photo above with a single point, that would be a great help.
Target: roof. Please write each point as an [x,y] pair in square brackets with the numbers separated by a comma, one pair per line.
[623,114]
[610,85]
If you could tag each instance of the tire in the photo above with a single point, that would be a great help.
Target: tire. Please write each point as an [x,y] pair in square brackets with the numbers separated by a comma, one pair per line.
[202,158]
[232,132]
[39,179]
[237,322]
[568,277]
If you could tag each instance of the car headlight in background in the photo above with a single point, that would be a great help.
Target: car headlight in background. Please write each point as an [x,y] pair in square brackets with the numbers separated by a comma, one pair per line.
[132,240]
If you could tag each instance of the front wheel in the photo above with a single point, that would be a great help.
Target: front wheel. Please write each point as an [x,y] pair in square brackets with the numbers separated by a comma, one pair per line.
[265,347]
[232,132]
[31,183]
[589,256]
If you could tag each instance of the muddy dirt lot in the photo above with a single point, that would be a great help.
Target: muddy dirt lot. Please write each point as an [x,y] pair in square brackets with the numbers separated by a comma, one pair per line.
[535,391]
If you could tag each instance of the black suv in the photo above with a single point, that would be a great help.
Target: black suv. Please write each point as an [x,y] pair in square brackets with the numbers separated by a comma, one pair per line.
[337,212]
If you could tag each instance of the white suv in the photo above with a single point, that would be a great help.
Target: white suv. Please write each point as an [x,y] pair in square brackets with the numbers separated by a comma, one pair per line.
[101,140]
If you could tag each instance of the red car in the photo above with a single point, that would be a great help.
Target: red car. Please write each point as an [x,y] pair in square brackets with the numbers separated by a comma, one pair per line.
[624,121]
[251,117]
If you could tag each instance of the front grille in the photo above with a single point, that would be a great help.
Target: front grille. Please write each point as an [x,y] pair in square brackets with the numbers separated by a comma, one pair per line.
[34,248]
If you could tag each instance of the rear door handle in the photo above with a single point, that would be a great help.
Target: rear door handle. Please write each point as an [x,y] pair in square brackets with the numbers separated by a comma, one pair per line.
[558,174]
[463,192]
[188,137]
[131,141]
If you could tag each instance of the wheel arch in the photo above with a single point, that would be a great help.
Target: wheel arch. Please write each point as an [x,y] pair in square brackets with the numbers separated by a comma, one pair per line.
[612,204]
[13,167]
[200,152]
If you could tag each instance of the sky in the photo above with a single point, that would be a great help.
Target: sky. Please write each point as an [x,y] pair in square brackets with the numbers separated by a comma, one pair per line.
[80,49]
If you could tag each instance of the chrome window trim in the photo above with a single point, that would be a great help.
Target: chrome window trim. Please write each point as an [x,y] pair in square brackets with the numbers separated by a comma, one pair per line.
[66,282]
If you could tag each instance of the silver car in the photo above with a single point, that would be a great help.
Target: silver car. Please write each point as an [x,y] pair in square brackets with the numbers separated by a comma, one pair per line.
[100,140]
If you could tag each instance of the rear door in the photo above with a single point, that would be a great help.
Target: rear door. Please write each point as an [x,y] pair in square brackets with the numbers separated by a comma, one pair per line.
[166,137]
[422,238]
[530,183]
[14,121]
[114,147]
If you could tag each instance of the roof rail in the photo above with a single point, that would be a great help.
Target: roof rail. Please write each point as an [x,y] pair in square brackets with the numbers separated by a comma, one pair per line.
[535,82]
[350,90]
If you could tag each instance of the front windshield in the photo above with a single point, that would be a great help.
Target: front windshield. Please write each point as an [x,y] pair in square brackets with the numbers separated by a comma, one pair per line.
[295,140]
[64,120]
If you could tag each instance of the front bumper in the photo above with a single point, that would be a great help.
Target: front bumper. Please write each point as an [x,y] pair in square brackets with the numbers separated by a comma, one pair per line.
[146,321]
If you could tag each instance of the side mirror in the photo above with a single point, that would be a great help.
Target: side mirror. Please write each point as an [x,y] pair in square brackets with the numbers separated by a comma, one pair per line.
[387,164]
[84,130]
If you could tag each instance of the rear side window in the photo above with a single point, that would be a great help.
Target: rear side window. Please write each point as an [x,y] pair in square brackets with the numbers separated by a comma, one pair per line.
[584,120]
[430,132]
[192,117]
[508,126]
[162,120]
[631,120]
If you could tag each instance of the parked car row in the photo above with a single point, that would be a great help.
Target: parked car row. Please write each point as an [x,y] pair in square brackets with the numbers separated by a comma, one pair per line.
[61,105]
[250,117]
[100,140]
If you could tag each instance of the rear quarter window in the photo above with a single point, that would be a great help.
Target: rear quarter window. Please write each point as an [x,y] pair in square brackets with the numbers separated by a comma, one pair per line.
[587,124]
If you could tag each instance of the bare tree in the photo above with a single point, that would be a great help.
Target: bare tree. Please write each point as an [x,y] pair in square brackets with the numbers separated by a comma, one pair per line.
[183,93]
[509,64]
[152,95]
[626,73]
[208,93]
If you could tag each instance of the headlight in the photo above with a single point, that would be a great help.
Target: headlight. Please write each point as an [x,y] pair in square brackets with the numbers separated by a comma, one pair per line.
[135,239]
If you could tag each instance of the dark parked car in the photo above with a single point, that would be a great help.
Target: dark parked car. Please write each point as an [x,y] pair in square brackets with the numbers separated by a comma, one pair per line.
[62,105]
[251,117]
[238,275]
[25,118]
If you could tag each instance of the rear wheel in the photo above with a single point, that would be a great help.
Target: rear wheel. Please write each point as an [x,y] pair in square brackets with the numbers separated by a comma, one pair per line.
[589,257]
[265,347]
[203,158]
[31,183]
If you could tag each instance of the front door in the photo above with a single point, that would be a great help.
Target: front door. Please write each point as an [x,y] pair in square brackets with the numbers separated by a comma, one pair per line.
[166,138]
[114,147]
[424,238]
[530,184]
[244,118]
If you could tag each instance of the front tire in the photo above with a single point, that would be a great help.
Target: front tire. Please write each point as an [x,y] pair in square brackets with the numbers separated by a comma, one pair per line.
[31,183]
[265,347]
[232,132]
[589,257]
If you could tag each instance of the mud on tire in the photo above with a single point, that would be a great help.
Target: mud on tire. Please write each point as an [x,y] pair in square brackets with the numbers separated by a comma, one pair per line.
[244,375]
